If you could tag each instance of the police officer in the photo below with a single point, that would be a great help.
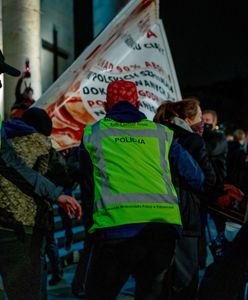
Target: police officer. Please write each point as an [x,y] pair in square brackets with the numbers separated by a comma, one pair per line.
[135,213]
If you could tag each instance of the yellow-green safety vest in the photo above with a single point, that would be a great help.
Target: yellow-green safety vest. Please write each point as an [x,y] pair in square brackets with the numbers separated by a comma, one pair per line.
[132,179]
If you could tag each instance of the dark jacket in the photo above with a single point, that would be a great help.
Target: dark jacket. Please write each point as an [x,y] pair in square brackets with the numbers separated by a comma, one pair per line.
[183,163]
[190,202]
[64,169]
[217,151]
[237,168]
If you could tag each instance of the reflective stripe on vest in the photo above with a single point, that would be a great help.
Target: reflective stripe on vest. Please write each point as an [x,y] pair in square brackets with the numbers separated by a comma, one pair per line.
[107,199]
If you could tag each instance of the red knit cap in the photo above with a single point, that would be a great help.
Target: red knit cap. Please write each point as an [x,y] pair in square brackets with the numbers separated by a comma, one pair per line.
[122,90]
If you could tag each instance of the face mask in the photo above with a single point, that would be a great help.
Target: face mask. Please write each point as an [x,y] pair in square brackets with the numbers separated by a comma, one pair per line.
[208,126]
[198,128]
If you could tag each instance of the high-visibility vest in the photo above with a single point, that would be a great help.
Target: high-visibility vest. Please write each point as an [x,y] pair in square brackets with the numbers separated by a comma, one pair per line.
[132,180]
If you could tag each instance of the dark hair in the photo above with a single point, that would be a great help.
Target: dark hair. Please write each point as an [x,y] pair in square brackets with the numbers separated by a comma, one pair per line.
[238,135]
[27,90]
[186,108]
[39,119]
[165,112]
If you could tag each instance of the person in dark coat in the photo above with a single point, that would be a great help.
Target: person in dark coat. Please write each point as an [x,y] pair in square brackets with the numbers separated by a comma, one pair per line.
[184,117]
[216,145]
[217,150]
[237,167]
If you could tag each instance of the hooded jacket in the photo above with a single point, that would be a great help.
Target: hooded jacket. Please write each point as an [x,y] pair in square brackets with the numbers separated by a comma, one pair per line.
[217,148]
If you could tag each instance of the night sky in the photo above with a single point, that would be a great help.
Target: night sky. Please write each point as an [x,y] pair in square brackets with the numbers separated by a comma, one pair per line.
[208,41]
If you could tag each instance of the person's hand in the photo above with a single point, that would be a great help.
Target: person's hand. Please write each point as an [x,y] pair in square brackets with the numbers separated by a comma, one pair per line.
[70,206]
[234,192]
[23,74]
[224,201]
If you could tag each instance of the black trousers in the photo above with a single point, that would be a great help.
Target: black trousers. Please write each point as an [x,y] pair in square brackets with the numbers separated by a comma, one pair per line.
[52,252]
[67,224]
[21,264]
[112,261]
[80,273]
[181,282]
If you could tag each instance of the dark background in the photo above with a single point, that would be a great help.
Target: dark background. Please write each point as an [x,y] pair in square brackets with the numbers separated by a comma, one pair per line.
[208,42]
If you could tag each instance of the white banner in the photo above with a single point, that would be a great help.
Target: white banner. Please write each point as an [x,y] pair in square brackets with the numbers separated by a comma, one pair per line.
[132,47]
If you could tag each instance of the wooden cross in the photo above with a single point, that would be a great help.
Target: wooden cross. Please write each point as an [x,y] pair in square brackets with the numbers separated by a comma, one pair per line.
[56,52]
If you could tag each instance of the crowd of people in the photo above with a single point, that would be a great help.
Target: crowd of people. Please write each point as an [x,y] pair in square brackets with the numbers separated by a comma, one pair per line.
[145,187]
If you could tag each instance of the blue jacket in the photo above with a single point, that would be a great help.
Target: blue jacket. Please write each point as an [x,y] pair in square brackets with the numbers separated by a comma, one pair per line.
[17,127]
[180,160]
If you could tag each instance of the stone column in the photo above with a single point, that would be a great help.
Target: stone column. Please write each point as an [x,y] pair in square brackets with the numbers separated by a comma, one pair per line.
[104,12]
[21,41]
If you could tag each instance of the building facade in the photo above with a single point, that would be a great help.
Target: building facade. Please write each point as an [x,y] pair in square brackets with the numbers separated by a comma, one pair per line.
[50,35]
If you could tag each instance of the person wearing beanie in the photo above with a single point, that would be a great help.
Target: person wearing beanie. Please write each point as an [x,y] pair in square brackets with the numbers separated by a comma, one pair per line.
[33,120]
[31,219]
[39,119]
[133,211]
[18,248]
